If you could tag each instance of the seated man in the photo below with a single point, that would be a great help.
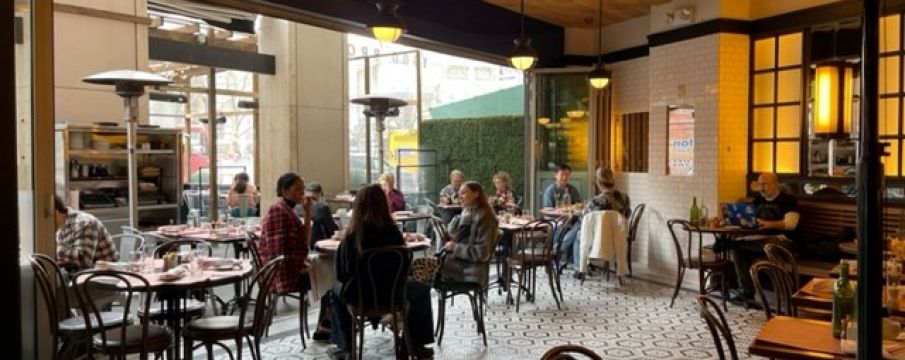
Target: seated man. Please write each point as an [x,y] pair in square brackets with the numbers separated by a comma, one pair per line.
[322,219]
[560,192]
[775,210]
[449,195]
[81,238]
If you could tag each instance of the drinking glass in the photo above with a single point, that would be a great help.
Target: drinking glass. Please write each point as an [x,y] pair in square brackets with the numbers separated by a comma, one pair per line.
[135,261]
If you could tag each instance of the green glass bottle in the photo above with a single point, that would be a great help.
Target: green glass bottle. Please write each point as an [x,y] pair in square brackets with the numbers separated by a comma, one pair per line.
[694,215]
[843,299]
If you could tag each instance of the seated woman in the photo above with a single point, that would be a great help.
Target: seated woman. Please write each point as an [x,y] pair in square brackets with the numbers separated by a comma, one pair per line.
[372,227]
[473,234]
[283,233]
[388,183]
[242,186]
[504,199]
[609,199]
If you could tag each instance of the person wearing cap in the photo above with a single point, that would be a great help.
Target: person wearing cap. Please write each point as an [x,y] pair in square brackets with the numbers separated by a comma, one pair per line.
[321,218]
[608,199]
[394,196]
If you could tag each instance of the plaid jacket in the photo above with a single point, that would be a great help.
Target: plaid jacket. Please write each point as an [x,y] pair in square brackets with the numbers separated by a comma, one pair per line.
[82,240]
[283,233]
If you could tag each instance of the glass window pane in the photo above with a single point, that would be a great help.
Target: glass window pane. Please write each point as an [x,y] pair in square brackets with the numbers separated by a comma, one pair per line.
[787,157]
[788,121]
[889,162]
[763,88]
[888,113]
[889,74]
[763,123]
[764,53]
[889,33]
[789,87]
[789,49]
[762,159]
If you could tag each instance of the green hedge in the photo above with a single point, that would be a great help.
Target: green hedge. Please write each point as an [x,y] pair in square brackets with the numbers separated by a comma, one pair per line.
[479,147]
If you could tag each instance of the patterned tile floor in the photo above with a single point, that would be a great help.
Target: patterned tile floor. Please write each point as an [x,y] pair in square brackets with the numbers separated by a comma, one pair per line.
[632,321]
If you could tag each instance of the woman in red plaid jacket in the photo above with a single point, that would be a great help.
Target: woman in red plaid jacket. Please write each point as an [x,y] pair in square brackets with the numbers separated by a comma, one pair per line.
[283,233]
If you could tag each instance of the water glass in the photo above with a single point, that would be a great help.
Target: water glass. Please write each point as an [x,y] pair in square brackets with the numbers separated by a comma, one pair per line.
[135,261]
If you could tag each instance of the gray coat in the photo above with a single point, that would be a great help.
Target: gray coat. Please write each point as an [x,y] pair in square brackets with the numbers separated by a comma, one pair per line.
[475,235]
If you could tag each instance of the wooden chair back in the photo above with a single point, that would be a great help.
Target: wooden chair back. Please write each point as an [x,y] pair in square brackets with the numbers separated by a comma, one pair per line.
[633,221]
[719,327]
[251,242]
[53,286]
[380,279]
[131,287]
[782,288]
[256,293]
[783,258]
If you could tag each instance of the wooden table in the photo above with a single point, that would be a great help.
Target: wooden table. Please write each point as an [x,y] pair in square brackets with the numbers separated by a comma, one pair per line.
[849,247]
[818,294]
[556,213]
[172,292]
[792,338]
[405,216]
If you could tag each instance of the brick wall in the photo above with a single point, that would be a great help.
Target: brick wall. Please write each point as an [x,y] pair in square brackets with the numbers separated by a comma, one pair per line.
[709,73]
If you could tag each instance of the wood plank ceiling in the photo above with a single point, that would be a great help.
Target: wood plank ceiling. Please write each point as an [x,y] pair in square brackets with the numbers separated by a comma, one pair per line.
[580,13]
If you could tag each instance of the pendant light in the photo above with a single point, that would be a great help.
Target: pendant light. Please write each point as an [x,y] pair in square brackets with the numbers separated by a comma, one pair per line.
[523,56]
[387,27]
[599,77]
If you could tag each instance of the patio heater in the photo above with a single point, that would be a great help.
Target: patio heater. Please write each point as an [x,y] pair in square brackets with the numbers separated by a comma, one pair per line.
[130,85]
[379,107]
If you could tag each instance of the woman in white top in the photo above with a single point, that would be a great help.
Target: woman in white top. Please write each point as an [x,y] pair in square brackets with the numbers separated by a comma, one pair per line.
[242,186]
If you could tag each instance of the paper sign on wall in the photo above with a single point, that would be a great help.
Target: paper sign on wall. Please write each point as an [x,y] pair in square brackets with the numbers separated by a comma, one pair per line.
[680,146]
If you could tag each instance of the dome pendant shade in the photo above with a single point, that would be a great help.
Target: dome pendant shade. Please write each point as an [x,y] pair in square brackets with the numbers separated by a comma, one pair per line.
[599,77]
[387,27]
[523,56]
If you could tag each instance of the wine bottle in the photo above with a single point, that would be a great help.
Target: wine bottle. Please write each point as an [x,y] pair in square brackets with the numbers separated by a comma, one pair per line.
[843,299]
[694,215]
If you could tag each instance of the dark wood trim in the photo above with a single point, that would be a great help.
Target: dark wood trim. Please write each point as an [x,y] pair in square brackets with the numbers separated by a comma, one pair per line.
[730,26]
[171,50]
[608,58]
[11,330]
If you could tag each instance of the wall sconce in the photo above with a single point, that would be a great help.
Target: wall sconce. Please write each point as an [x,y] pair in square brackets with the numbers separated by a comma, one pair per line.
[543,120]
[833,100]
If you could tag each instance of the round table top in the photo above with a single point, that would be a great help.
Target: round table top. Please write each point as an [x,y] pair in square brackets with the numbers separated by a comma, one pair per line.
[330,245]
[206,278]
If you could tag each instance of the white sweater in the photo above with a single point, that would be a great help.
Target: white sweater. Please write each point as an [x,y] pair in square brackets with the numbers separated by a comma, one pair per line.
[603,236]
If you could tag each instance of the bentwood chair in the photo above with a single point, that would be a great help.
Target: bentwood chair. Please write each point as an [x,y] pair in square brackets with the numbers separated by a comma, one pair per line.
[190,307]
[782,288]
[254,307]
[567,352]
[441,235]
[69,332]
[251,243]
[633,221]
[381,283]
[475,291]
[694,255]
[719,328]
[783,258]
[532,248]
[123,339]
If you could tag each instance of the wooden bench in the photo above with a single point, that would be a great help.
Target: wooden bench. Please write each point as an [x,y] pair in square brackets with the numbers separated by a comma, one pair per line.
[831,219]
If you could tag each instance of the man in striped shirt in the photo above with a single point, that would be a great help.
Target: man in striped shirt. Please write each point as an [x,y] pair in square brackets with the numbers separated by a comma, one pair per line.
[81,238]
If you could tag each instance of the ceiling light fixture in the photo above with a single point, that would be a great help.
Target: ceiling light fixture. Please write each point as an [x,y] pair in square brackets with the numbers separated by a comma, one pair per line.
[523,56]
[387,27]
[599,77]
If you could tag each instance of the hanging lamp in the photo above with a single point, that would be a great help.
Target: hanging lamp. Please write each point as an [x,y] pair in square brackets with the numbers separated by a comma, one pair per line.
[523,56]
[599,77]
[387,26]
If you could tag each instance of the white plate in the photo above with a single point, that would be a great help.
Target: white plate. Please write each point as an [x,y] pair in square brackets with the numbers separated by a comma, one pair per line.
[170,276]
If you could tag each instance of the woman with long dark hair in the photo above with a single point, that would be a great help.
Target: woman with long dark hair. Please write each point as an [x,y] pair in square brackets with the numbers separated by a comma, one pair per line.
[473,237]
[372,227]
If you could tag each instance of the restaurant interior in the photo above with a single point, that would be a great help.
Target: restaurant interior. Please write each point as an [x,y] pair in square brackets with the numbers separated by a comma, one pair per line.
[699,114]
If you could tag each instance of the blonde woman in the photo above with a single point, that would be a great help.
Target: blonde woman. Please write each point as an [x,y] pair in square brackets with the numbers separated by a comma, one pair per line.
[504,199]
